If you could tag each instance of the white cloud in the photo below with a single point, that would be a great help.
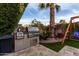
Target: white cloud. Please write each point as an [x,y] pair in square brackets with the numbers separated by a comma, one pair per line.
[33,5]
[29,20]
[65,5]
[67,17]
[25,21]
[44,19]
[75,11]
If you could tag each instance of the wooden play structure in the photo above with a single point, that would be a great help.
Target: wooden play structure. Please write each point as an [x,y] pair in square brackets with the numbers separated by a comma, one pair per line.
[68,28]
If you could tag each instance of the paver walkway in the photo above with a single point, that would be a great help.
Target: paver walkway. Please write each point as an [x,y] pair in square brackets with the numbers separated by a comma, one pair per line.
[69,51]
[38,50]
[44,51]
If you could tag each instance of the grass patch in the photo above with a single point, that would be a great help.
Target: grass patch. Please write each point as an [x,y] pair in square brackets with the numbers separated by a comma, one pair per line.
[58,46]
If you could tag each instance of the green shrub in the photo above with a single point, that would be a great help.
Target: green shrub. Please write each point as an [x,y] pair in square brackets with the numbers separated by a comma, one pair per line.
[45,35]
[10,15]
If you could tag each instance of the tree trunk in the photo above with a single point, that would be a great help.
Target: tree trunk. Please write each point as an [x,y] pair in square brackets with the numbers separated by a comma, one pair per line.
[52,18]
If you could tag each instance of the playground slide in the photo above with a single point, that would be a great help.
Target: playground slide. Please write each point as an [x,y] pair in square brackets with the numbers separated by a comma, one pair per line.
[76,35]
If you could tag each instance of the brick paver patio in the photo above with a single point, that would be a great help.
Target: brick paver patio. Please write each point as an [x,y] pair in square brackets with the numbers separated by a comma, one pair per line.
[40,50]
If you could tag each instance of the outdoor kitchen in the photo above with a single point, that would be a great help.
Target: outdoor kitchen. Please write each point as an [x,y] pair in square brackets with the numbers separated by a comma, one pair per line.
[19,41]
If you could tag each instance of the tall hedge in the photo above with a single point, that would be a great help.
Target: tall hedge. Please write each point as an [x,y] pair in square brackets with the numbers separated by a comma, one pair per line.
[10,14]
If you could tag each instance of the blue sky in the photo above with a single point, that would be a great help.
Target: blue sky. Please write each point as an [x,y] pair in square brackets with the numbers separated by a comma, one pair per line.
[33,12]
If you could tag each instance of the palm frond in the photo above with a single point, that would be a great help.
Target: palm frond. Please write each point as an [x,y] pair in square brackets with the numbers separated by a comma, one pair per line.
[47,5]
[42,5]
[57,7]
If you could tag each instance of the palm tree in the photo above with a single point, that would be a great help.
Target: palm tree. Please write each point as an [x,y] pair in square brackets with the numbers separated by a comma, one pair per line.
[52,13]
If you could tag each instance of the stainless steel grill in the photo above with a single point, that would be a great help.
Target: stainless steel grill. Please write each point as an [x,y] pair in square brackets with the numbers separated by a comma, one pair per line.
[33,35]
